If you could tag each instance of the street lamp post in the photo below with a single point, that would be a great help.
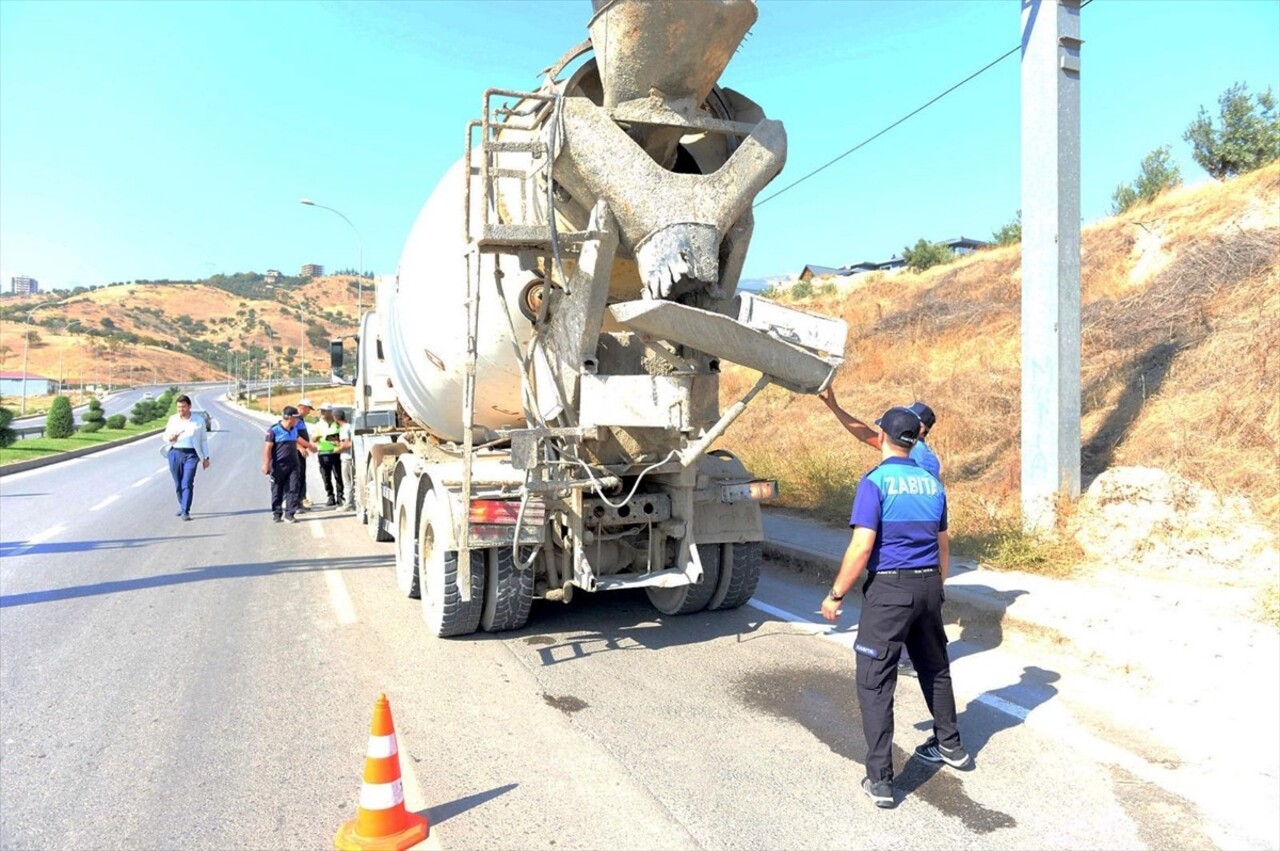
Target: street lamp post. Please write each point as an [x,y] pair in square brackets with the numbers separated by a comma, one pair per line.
[26,344]
[359,248]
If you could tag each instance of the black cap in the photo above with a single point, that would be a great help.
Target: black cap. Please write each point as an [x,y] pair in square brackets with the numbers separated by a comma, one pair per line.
[289,411]
[924,412]
[901,426]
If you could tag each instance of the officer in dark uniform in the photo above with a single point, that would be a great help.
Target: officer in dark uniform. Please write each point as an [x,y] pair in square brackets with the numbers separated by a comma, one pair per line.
[900,539]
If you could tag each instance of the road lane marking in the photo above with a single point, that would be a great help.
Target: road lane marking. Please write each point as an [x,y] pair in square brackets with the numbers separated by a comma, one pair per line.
[106,502]
[140,482]
[35,540]
[338,596]
[317,529]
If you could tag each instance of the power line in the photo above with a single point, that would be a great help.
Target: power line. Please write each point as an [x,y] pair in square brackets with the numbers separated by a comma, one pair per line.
[910,114]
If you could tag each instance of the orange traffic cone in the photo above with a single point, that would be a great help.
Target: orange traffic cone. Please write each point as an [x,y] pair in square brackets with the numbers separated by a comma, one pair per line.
[381,822]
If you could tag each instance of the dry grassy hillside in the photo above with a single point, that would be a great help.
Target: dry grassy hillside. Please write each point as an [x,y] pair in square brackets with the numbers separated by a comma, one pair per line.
[174,320]
[1181,362]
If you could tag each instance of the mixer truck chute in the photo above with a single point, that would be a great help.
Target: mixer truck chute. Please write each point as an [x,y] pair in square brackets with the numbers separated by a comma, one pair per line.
[537,388]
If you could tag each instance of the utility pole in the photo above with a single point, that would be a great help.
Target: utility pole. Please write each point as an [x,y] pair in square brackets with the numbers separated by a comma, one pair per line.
[1050,258]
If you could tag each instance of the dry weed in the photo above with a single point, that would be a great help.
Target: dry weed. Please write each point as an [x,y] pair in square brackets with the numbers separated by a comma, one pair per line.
[1180,371]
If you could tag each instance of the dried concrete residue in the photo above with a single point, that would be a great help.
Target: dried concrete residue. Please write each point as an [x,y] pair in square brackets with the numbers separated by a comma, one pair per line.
[1150,520]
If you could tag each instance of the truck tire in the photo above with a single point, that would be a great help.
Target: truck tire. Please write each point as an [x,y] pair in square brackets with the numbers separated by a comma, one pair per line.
[443,609]
[508,591]
[739,575]
[406,552]
[690,598]
[373,511]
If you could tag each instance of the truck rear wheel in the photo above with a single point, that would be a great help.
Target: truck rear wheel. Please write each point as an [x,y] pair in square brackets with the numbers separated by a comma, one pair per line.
[687,599]
[406,552]
[739,575]
[508,591]
[443,609]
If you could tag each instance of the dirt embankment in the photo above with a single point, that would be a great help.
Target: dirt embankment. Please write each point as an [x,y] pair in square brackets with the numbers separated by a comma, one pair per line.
[1180,386]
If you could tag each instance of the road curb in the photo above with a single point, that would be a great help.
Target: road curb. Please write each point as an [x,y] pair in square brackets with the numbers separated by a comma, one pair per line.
[45,461]
[982,615]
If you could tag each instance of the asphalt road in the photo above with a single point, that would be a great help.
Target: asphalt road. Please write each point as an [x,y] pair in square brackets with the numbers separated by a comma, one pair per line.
[209,684]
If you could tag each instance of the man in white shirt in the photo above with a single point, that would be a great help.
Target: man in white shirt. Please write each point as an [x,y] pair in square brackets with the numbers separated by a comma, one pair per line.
[344,452]
[188,447]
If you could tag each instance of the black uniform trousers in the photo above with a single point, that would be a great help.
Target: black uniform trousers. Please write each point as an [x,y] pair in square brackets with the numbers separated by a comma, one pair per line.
[331,472]
[301,484]
[903,608]
[284,489]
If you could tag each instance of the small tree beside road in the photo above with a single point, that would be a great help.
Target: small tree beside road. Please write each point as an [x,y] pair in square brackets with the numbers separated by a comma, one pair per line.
[60,422]
[7,437]
[93,419]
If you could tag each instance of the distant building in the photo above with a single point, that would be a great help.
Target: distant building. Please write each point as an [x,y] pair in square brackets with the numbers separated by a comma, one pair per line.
[960,246]
[311,270]
[273,275]
[22,285]
[37,385]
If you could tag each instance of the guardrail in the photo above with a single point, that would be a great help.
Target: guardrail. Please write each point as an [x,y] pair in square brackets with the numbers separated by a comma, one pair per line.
[29,431]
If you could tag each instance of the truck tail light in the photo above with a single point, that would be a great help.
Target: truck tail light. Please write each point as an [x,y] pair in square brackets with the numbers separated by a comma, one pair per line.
[505,512]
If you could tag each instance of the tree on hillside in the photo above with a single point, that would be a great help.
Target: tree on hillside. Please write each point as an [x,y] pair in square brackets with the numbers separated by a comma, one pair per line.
[1010,233]
[1248,138]
[59,422]
[5,351]
[1157,175]
[926,254]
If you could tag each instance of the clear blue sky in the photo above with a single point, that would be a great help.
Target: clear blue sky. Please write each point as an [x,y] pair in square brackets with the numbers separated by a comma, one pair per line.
[174,139]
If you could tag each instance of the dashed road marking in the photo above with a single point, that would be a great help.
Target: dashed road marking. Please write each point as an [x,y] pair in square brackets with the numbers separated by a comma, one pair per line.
[317,529]
[106,502]
[338,596]
[36,540]
[140,482]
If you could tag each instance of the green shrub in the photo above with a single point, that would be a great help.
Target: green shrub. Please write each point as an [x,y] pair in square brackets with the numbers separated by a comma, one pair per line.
[7,437]
[90,428]
[925,255]
[60,422]
[94,417]
[143,412]
[115,421]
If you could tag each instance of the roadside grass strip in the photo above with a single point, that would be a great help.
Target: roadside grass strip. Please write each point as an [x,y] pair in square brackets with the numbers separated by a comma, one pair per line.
[39,447]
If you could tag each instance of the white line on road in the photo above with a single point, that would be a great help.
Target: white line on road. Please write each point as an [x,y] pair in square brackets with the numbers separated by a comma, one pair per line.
[317,529]
[36,540]
[339,597]
[106,502]
[140,482]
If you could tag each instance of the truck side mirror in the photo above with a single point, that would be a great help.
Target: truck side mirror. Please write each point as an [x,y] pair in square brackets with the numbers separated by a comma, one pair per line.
[335,354]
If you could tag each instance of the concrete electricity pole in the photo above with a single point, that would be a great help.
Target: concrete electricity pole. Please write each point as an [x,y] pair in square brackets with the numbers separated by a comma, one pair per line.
[1050,257]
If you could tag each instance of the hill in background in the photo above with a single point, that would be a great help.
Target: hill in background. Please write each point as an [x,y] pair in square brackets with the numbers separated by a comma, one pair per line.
[181,331]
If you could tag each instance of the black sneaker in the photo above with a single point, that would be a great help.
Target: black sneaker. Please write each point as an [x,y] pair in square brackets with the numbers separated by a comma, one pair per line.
[932,751]
[276,518]
[331,502]
[879,791]
[906,667]
[289,518]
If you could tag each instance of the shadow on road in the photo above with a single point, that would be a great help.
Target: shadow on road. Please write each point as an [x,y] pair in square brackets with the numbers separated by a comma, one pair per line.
[195,574]
[985,715]
[443,812]
[621,621]
[980,625]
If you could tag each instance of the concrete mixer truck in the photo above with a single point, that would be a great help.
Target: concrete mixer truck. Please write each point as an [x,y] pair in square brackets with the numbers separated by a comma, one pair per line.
[537,387]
